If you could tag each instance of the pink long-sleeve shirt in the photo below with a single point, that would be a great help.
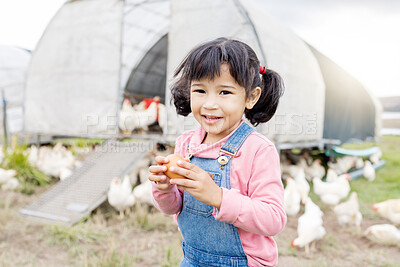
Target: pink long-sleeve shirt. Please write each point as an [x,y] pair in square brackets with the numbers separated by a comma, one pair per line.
[254,204]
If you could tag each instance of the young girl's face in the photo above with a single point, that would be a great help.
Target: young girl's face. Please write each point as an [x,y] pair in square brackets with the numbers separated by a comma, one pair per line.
[218,104]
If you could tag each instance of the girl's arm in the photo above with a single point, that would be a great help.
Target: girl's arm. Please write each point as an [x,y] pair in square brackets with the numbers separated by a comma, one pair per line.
[262,210]
[168,201]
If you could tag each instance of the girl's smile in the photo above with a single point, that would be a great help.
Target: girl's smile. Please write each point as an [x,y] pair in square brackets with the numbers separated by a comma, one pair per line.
[211,119]
[218,104]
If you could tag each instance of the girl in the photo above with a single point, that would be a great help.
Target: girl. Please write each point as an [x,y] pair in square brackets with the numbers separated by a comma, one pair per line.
[230,203]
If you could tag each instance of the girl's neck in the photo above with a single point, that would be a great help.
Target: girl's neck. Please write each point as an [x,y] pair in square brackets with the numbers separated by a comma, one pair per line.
[209,140]
[206,140]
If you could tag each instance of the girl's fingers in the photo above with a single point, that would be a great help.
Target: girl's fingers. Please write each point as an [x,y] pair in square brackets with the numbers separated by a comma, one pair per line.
[157,168]
[157,178]
[187,165]
[184,172]
[186,169]
[183,183]
[162,186]
[161,160]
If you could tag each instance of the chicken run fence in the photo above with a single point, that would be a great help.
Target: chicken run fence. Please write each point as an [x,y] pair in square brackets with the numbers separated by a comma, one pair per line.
[76,197]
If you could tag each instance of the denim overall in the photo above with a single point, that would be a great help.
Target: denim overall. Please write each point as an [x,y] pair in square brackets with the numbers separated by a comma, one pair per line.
[206,241]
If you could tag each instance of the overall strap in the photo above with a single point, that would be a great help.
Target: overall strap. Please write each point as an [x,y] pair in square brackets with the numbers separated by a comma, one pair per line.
[236,140]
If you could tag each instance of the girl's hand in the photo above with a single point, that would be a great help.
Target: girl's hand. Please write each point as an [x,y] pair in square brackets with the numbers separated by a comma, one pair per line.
[157,173]
[198,183]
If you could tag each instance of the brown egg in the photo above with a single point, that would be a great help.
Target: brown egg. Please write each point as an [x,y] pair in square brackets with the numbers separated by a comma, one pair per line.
[173,159]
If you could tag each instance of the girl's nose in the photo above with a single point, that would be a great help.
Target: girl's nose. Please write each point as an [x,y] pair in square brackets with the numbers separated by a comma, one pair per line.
[210,104]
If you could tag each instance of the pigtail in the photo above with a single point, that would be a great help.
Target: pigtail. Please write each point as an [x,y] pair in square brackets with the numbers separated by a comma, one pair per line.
[272,89]
[180,91]
[181,97]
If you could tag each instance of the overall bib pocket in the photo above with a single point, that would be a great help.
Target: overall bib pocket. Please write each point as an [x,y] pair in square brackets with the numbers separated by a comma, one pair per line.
[192,205]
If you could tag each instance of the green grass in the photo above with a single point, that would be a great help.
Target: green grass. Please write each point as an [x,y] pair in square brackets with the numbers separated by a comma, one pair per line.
[79,142]
[173,256]
[81,233]
[110,259]
[387,182]
[29,176]
[149,221]
[330,243]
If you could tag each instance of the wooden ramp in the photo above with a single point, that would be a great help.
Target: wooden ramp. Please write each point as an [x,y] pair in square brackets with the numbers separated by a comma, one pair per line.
[76,197]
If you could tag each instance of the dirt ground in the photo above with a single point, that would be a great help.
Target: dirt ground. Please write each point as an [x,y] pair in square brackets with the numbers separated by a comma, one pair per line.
[152,239]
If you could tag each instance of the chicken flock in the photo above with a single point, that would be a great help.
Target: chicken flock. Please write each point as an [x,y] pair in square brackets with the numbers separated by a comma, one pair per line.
[55,161]
[59,162]
[300,177]
[332,190]
[139,117]
[331,186]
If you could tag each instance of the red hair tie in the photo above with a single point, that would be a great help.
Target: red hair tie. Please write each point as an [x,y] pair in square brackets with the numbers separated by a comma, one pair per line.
[263,69]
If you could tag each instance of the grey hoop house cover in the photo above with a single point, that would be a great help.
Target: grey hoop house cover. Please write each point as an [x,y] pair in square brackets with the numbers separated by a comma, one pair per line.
[13,65]
[94,51]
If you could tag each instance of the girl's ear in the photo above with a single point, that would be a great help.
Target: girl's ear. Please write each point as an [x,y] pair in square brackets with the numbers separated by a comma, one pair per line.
[253,97]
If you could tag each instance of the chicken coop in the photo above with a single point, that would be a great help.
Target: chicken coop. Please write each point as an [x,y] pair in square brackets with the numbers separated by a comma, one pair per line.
[13,65]
[93,54]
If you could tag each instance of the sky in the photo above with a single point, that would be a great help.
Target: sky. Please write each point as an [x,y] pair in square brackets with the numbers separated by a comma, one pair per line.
[362,36]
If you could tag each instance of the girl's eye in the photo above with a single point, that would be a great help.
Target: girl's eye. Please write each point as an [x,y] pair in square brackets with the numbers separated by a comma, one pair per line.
[200,91]
[224,92]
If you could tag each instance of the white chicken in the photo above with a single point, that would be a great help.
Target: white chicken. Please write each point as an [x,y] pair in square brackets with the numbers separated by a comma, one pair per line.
[6,175]
[310,227]
[33,155]
[384,234]
[52,160]
[162,112]
[389,209]
[331,193]
[313,208]
[374,158]
[125,117]
[369,171]
[315,170]
[302,163]
[143,193]
[144,175]
[134,174]
[359,163]
[331,175]
[65,173]
[120,195]
[343,164]
[130,119]
[289,169]
[302,185]
[292,197]
[138,107]
[11,184]
[348,213]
